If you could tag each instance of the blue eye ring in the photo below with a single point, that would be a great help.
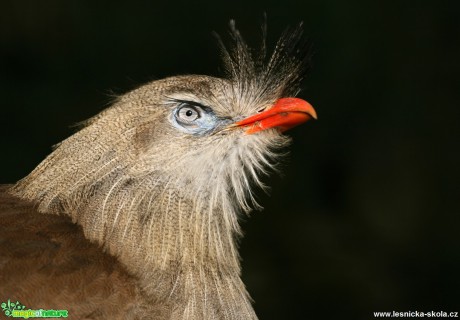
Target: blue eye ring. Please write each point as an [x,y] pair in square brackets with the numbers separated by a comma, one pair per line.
[193,117]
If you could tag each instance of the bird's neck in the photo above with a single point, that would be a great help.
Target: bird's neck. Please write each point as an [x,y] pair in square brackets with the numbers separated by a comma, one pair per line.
[182,249]
[174,231]
[183,253]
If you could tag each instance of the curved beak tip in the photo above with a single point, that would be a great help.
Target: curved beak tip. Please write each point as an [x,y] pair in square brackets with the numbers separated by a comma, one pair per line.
[285,114]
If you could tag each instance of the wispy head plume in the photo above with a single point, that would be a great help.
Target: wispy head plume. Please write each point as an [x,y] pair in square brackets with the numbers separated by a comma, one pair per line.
[257,77]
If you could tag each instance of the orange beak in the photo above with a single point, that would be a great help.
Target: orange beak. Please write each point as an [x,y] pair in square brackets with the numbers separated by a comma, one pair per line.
[285,114]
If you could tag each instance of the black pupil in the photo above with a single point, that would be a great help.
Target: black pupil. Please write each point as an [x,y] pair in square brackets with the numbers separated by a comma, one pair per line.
[189,113]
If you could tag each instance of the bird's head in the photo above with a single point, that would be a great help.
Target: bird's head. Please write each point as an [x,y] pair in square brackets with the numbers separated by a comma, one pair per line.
[202,134]
[185,147]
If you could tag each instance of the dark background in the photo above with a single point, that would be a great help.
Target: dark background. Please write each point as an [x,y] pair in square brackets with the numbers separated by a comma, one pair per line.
[366,216]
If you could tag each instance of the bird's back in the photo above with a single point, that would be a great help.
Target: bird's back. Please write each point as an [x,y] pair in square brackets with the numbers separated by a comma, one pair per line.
[46,263]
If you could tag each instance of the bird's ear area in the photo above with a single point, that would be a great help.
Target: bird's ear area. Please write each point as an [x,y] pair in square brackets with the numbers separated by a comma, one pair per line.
[144,137]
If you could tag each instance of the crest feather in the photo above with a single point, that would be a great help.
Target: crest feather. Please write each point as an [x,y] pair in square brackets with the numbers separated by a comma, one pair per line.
[279,75]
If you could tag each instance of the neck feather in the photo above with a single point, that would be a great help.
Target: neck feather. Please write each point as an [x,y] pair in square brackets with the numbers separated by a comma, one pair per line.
[180,245]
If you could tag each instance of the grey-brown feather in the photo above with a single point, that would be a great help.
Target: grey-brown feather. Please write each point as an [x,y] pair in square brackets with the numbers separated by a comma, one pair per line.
[163,202]
[46,262]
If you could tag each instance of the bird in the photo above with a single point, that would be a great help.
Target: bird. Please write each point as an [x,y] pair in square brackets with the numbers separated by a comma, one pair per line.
[136,215]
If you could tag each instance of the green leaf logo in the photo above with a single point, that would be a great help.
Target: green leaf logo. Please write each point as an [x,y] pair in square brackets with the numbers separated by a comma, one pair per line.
[9,306]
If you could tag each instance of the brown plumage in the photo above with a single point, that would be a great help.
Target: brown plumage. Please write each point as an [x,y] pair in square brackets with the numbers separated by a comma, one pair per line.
[135,216]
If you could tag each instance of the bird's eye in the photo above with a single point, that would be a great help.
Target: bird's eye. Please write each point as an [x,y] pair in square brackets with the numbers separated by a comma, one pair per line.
[187,114]
[193,117]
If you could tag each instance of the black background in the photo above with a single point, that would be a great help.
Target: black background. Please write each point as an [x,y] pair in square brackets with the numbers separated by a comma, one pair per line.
[366,215]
